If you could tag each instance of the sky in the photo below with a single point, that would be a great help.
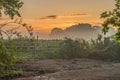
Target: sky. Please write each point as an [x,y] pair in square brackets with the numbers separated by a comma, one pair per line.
[44,15]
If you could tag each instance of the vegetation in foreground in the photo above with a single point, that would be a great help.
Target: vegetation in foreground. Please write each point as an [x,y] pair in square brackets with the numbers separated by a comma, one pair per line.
[101,49]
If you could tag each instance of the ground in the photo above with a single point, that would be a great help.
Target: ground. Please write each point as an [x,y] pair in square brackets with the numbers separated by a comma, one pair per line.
[75,69]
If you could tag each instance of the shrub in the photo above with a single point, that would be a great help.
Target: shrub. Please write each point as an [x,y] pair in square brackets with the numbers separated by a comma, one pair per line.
[69,49]
[101,48]
[6,58]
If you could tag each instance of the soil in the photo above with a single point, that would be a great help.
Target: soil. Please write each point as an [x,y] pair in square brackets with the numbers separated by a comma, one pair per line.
[75,69]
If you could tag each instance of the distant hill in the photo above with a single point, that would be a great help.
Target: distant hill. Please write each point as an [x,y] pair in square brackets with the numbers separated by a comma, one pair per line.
[80,31]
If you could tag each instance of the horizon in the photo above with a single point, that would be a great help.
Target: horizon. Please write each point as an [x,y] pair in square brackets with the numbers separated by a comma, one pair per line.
[44,15]
[61,14]
[48,14]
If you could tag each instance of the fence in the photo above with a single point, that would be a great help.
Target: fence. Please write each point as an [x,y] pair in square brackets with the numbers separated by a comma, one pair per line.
[33,48]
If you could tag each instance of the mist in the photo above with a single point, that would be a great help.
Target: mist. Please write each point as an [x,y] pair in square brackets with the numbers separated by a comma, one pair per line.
[78,31]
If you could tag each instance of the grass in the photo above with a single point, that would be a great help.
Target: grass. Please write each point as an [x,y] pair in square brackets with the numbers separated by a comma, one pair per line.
[47,70]
[69,49]
[64,49]
[12,73]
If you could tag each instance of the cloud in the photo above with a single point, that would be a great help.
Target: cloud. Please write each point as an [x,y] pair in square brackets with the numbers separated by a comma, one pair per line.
[73,15]
[49,17]
[79,14]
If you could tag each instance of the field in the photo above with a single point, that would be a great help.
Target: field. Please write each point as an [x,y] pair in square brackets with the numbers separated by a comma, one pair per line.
[38,49]
[64,59]
[75,69]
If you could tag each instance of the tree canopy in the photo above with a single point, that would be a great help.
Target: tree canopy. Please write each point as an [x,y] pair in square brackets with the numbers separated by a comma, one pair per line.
[112,18]
[10,7]
[7,59]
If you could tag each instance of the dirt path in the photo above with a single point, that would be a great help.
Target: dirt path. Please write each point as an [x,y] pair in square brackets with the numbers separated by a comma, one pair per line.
[77,69]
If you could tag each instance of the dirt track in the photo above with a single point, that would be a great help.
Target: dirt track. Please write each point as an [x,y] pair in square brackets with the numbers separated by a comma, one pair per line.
[76,69]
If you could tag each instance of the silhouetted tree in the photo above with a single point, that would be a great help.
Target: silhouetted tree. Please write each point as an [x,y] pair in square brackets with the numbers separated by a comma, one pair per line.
[112,18]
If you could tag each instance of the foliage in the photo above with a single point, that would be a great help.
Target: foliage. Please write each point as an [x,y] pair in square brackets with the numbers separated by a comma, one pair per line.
[112,18]
[101,48]
[6,58]
[10,7]
[11,73]
[69,48]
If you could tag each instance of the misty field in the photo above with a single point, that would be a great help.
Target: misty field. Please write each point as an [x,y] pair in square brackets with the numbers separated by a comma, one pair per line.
[103,48]
[41,57]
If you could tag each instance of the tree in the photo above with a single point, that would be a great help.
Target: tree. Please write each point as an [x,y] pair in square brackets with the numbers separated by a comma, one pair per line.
[112,18]
[10,7]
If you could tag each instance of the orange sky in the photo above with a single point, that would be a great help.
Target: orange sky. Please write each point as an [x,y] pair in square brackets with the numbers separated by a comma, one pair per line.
[44,15]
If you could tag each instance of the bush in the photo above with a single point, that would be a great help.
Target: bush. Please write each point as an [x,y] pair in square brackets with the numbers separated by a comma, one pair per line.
[6,58]
[69,49]
[101,48]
